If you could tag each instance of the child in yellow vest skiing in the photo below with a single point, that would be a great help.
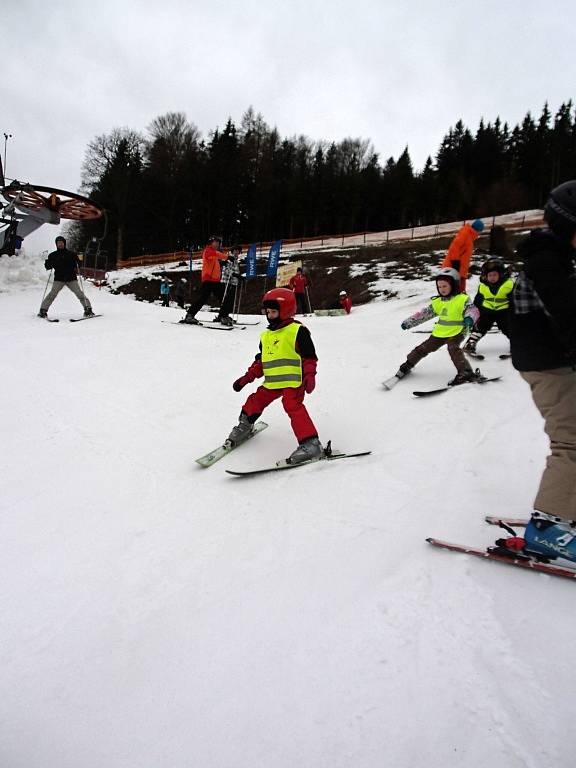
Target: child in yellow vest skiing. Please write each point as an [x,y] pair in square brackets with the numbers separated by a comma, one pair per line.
[455,313]
[287,360]
[492,300]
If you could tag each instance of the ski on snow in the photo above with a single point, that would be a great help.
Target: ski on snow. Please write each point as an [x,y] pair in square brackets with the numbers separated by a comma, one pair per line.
[79,319]
[517,560]
[226,448]
[391,382]
[204,325]
[513,522]
[476,356]
[428,392]
[328,455]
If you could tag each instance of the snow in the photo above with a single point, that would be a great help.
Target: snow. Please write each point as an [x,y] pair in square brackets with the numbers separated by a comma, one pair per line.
[159,615]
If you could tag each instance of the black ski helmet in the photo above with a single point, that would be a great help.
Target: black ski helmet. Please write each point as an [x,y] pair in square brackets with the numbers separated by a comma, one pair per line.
[560,210]
[494,264]
[450,275]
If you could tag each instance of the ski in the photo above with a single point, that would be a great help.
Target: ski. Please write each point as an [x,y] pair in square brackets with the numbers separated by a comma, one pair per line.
[428,392]
[223,450]
[283,464]
[391,382]
[200,325]
[475,355]
[519,561]
[517,522]
[50,319]
[505,357]
[79,319]
[421,330]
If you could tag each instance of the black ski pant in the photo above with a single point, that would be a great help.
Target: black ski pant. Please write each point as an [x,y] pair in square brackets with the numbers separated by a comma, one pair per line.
[207,289]
[433,343]
[301,303]
[487,320]
[228,301]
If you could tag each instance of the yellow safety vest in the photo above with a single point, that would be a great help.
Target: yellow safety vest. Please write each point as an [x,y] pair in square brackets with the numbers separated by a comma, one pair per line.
[450,313]
[500,299]
[281,364]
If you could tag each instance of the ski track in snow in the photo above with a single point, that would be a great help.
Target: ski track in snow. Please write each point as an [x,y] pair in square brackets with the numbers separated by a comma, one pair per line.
[158,614]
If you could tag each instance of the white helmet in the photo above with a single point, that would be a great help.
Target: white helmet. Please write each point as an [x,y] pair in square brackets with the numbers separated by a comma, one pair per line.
[449,274]
[342,293]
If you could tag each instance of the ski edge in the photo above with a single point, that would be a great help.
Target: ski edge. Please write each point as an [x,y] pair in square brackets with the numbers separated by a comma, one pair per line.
[280,466]
[207,460]
[527,564]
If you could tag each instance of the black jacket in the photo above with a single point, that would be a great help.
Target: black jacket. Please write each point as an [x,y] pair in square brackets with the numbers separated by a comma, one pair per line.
[544,337]
[64,263]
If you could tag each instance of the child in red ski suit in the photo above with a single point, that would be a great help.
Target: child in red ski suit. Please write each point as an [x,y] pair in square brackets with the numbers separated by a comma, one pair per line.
[287,360]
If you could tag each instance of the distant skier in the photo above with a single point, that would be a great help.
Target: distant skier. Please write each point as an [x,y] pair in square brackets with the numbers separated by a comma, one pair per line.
[492,300]
[543,344]
[65,264]
[345,302]
[461,248]
[181,292]
[165,293]
[287,360]
[299,284]
[230,275]
[455,312]
[211,285]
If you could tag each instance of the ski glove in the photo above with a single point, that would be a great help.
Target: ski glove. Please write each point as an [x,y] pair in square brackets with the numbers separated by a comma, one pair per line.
[254,372]
[468,323]
[309,374]
[403,325]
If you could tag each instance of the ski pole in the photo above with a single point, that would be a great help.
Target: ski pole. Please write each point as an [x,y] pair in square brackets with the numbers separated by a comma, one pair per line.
[308,298]
[45,288]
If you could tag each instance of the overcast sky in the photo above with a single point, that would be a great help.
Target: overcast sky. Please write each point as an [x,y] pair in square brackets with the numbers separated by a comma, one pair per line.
[398,73]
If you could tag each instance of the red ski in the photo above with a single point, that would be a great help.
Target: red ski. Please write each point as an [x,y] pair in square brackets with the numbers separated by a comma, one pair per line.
[517,560]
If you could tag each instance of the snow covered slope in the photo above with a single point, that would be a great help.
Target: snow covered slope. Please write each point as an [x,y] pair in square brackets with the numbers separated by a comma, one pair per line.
[158,615]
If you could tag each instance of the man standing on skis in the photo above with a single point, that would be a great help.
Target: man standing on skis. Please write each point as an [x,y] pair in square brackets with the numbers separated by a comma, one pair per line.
[543,345]
[211,285]
[65,264]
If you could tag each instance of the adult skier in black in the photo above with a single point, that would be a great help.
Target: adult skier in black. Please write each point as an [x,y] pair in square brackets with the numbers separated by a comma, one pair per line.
[65,264]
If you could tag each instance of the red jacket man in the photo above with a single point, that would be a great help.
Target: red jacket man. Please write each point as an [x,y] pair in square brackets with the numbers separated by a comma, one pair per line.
[298,284]
[461,248]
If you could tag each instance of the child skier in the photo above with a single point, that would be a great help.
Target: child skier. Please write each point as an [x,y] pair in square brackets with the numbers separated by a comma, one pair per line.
[287,360]
[345,302]
[455,312]
[492,300]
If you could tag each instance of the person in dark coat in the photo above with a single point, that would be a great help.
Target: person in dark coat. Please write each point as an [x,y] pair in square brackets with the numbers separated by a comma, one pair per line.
[543,345]
[65,264]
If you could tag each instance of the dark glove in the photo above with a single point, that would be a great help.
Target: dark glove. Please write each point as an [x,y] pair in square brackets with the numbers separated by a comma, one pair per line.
[254,372]
[309,375]
[240,383]
[404,325]
[468,323]
[456,265]
[47,264]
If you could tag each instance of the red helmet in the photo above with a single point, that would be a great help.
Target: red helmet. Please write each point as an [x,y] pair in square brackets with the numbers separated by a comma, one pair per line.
[281,299]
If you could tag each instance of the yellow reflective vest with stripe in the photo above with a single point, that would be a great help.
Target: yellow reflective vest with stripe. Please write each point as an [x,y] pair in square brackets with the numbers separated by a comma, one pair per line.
[281,364]
[450,313]
[499,300]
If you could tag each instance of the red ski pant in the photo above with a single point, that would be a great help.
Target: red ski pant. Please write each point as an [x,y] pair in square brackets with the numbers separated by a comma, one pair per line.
[293,402]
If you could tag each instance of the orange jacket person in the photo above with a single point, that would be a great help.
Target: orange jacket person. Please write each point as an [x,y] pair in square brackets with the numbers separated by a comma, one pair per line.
[460,250]
[211,285]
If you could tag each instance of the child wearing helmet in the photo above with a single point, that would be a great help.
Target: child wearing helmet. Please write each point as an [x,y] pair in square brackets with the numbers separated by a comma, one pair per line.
[492,300]
[345,302]
[455,312]
[287,360]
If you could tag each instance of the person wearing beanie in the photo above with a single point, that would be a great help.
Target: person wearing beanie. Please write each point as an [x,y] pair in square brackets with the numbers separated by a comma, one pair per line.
[460,251]
[543,346]
[345,302]
[65,264]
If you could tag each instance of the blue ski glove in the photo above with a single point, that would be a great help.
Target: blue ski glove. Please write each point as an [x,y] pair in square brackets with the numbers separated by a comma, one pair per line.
[468,323]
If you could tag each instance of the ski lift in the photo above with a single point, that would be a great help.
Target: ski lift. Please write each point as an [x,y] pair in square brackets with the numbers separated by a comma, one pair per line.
[29,206]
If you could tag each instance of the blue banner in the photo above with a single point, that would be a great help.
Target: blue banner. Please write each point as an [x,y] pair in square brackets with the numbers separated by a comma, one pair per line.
[273,256]
[251,262]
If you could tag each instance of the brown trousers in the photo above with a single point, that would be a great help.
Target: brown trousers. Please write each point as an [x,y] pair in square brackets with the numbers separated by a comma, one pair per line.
[554,394]
[434,343]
